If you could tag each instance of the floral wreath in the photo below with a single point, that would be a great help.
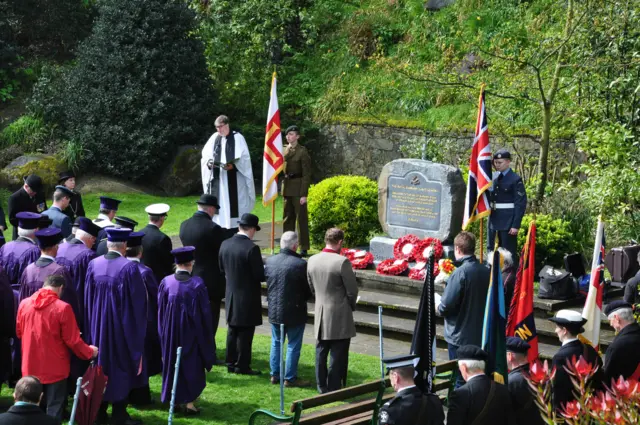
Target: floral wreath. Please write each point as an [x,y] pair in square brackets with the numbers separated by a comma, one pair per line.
[419,272]
[392,267]
[405,247]
[425,246]
[359,259]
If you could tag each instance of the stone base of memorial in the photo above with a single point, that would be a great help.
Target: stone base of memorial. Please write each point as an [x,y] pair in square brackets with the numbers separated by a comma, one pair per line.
[418,197]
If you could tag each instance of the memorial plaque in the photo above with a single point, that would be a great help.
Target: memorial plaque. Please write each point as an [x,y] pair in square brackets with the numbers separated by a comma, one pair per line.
[414,202]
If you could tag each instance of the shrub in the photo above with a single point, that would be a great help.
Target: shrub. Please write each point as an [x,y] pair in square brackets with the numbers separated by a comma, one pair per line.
[28,132]
[553,240]
[347,202]
[140,88]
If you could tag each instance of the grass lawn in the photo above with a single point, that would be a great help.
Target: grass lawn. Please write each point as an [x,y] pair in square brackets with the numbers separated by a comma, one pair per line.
[230,398]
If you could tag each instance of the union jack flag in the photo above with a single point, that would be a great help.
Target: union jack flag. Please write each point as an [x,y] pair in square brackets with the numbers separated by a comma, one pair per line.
[477,202]
[592,310]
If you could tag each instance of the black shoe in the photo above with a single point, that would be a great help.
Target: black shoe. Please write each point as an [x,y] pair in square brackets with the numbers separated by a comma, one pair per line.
[247,371]
[102,418]
[145,403]
[127,421]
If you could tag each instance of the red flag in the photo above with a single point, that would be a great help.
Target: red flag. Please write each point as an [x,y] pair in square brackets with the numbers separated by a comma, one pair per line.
[521,322]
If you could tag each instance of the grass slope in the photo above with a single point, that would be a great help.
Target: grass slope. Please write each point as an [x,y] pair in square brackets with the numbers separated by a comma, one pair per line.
[230,399]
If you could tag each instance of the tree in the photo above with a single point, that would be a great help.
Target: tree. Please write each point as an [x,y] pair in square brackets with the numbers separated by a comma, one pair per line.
[139,89]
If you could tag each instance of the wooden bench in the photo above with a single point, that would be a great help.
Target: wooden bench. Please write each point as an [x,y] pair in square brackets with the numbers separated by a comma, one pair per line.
[357,409]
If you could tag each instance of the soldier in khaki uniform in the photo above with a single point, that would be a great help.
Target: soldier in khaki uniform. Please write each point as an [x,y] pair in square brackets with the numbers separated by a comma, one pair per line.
[295,185]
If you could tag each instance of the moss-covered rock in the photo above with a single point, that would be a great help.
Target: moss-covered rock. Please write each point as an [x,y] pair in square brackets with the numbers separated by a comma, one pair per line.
[45,166]
[182,176]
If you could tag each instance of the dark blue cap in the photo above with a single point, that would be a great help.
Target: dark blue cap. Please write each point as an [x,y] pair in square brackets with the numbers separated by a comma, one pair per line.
[616,305]
[88,226]
[48,237]
[135,239]
[115,234]
[65,190]
[472,352]
[126,222]
[109,203]
[184,254]
[28,220]
[517,345]
[502,154]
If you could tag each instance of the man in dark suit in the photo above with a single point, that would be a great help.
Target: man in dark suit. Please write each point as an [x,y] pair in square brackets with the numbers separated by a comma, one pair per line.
[200,231]
[524,406]
[568,326]
[29,198]
[464,298]
[410,406]
[121,222]
[623,355]
[61,199]
[26,410]
[157,246]
[481,401]
[241,263]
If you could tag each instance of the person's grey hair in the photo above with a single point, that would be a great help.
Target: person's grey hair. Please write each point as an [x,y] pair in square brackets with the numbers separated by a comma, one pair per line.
[473,365]
[507,257]
[105,211]
[116,245]
[625,314]
[222,119]
[26,233]
[288,240]
[80,234]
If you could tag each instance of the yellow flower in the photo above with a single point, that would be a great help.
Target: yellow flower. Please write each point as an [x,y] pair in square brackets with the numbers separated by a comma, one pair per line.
[478,18]
[357,65]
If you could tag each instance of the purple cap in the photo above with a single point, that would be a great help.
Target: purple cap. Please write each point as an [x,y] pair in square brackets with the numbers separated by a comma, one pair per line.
[135,239]
[88,226]
[48,237]
[117,235]
[109,203]
[184,254]
[28,220]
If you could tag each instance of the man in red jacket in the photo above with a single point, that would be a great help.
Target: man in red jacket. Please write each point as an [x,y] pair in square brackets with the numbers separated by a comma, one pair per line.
[48,330]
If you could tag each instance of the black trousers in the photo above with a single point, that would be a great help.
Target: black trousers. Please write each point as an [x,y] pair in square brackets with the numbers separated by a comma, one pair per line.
[506,241]
[140,396]
[336,376]
[215,320]
[118,411]
[54,398]
[239,342]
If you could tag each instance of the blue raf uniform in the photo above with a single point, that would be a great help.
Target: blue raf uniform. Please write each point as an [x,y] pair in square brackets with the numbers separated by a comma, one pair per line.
[508,204]
[59,219]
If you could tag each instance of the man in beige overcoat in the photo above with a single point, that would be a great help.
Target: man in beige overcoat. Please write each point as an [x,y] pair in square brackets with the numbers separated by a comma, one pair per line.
[334,283]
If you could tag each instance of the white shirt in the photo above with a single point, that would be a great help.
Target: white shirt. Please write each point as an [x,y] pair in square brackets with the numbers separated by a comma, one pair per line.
[135,259]
[568,341]
[47,256]
[406,388]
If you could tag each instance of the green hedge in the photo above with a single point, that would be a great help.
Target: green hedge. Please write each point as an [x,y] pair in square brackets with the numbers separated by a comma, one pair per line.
[553,240]
[347,202]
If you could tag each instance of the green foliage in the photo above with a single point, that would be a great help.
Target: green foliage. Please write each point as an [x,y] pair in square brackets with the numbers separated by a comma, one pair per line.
[73,153]
[553,240]
[422,148]
[27,131]
[347,202]
[138,90]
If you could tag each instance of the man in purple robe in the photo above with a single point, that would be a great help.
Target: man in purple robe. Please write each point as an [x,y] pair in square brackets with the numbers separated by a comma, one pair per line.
[7,326]
[184,320]
[152,363]
[76,254]
[115,310]
[16,255]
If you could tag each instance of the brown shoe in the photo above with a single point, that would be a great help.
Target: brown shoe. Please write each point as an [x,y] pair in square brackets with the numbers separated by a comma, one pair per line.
[275,380]
[297,383]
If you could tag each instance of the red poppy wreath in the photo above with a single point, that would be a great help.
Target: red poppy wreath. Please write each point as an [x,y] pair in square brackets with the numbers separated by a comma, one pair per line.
[392,267]
[426,245]
[405,247]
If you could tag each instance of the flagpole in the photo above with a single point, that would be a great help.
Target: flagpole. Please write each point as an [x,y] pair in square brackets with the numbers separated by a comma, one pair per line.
[273,225]
[481,240]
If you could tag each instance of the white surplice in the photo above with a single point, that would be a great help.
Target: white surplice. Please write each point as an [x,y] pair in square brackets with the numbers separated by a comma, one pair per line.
[246,188]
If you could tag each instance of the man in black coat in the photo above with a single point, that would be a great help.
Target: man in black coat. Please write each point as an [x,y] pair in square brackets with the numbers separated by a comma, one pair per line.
[200,231]
[623,355]
[287,294]
[410,406]
[29,198]
[157,246]
[26,410]
[241,263]
[121,222]
[568,326]
[631,293]
[481,401]
[524,407]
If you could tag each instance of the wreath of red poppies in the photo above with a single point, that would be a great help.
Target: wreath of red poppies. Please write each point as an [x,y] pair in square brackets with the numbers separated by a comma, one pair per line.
[405,247]
[419,274]
[392,267]
[360,260]
[435,244]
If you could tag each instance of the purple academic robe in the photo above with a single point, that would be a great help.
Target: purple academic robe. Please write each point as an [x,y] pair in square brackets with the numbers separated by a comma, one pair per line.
[75,257]
[115,301]
[7,325]
[184,320]
[16,255]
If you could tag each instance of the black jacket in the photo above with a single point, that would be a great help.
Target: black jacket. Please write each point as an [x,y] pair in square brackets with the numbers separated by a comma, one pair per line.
[404,408]
[75,208]
[623,355]
[287,288]
[562,387]
[20,201]
[206,236]
[156,252]
[241,263]
[631,294]
[467,402]
[28,414]
[524,406]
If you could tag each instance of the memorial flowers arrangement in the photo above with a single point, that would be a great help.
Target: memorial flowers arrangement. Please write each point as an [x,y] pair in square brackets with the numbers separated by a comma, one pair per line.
[392,267]
[405,248]
[359,259]
[618,404]
[426,247]
[419,271]
[446,267]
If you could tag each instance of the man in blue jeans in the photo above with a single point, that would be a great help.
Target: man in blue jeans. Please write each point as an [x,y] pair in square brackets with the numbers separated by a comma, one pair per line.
[287,294]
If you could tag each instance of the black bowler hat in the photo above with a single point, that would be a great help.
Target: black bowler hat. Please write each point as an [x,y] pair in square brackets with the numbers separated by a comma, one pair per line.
[65,175]
[88,226]
[65,190]
[209,200]
[249,220]
[517,345]
[472,352]
[502,154]
[34,182]
[126,222]
[292,128]
[48,237]
[616,305]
